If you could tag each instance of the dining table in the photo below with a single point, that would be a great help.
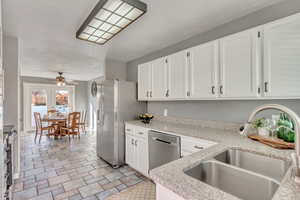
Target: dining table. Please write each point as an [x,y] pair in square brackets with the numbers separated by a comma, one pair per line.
[57,121]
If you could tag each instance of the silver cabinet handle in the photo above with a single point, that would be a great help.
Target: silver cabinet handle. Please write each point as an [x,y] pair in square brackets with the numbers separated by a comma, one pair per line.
[198,147]
[167,93]
[221,89]
[150,93]
[135,143]
[132,141]
[213,89]
[266,87]
[128,129]
[141,133]
[188,93]
[147,95]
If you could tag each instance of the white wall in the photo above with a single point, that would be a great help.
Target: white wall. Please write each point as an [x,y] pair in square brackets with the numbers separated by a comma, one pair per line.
[11,105]
[115,70]
[11,80]
[236,111]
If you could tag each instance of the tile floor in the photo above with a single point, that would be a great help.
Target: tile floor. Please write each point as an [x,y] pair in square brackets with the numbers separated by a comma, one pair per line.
[63,170]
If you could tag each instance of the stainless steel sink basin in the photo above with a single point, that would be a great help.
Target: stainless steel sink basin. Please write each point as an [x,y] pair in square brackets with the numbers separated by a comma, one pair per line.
[236,181]
[273,168]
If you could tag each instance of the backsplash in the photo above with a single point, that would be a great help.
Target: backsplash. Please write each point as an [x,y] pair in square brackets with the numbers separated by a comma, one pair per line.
[200,123]
[236,111]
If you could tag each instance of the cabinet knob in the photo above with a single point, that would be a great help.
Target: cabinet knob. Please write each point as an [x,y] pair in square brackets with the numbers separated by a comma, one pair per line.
[141,133]
[150,93]
[188,93]
[128,129]
[132,141]
[147,94]
[135,143]
[213,89]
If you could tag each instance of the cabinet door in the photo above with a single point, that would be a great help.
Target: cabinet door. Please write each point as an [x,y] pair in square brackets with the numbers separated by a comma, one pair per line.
[282,58]
[239,54]
[144,81]
[159,78]
[142,156]
[130,152]
[177,64]
[202,71]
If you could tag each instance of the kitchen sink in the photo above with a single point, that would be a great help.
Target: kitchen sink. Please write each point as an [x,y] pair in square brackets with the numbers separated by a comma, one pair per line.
[267,166]
[241,183]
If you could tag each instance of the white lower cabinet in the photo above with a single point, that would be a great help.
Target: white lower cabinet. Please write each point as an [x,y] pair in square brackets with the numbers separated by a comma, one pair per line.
[136,149]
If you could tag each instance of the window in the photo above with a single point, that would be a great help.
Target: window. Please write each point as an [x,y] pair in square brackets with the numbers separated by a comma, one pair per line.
[38,103]
[62,101]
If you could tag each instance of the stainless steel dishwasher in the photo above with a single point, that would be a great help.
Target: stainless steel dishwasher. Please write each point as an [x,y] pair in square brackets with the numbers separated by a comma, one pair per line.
[163,148]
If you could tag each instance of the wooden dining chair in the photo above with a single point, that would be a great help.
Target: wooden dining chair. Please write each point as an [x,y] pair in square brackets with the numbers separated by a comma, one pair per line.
[40,127]
[72,125]
[82,122]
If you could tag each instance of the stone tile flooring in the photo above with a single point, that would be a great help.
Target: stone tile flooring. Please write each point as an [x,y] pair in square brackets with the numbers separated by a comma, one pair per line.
[68,170]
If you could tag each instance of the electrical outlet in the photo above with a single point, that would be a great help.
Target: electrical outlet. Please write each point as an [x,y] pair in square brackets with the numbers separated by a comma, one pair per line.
[165,112]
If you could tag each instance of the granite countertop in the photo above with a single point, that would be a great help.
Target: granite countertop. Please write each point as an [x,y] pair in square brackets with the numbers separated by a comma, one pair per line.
[172,175]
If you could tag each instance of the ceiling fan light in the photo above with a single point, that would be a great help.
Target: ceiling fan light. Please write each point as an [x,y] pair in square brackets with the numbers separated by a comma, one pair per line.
[108,18]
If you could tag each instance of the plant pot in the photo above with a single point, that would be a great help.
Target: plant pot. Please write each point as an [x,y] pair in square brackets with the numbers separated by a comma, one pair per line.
[262,131]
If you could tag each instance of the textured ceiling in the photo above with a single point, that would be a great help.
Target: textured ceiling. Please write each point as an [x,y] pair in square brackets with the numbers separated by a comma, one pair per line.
[46,31]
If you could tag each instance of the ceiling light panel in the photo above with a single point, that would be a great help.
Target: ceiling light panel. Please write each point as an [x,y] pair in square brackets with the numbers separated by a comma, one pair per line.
[108,18]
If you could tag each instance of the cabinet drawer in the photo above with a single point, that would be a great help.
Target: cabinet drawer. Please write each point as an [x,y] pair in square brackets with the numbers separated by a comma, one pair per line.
[193,145]
[129,129]
[136,131]
[141,132]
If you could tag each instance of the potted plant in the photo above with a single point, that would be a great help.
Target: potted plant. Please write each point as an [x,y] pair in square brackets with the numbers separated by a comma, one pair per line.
[260,125]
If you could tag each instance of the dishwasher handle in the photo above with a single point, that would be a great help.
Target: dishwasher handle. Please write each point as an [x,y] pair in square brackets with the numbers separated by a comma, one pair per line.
[159,140]
[164,141]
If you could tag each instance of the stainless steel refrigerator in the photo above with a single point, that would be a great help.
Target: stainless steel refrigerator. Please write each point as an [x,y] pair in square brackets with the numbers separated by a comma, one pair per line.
[117,104]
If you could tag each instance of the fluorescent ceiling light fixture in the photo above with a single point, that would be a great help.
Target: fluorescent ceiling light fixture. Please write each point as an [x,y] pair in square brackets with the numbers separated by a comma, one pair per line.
[108,18]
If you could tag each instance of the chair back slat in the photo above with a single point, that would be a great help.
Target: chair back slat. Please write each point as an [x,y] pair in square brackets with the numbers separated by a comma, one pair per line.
[73,119]
[84,117]
[38,120]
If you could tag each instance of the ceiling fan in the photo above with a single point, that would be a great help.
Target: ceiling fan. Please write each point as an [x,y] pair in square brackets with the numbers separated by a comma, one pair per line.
[62,81]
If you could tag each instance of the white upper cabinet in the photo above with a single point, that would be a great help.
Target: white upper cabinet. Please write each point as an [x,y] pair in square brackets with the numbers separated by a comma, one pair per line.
[144,81]
[159,79]
[177,64]
[239,65]
[203,63]
[282,58]
[262,62]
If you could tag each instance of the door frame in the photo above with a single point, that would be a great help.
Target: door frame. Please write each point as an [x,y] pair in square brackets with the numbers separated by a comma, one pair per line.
[51,87]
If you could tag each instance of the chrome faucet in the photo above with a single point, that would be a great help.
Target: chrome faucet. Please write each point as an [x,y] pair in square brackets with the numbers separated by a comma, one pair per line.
[296,120]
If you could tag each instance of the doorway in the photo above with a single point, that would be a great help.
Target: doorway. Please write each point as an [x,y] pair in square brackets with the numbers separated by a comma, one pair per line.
[42,97]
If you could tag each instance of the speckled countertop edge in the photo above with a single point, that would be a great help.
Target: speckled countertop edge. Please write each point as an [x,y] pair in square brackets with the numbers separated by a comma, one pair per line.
[172,175]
